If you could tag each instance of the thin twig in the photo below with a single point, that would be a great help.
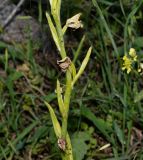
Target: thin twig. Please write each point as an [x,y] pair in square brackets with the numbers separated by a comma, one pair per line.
[13,13]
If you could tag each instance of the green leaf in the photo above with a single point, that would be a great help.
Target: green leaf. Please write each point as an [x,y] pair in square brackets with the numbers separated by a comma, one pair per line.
[138,96]
[53,31]
[40,132]
[50,97]
[79,145]
[103,126]
[3,45]
[10,81]
[6,60]
[138,42]
[106,26]
[20,137]
[56,124]
[119,133]
[14,76]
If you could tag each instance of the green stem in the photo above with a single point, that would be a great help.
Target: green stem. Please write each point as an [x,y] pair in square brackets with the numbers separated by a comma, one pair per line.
[61,36]
[64,126]
[68,154]
[67,97]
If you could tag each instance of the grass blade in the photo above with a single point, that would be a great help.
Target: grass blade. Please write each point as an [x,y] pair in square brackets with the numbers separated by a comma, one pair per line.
[106,26]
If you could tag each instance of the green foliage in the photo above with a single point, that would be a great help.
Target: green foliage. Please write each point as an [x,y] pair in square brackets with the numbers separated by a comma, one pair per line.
[103,126]
[79,144]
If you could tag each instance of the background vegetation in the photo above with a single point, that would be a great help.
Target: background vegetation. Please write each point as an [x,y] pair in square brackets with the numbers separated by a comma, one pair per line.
[106,108]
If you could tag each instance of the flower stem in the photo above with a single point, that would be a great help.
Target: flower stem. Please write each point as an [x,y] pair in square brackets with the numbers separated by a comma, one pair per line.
[67,97]
[61,36]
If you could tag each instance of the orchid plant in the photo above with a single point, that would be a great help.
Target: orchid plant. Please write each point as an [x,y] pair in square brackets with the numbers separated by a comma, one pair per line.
[71,75]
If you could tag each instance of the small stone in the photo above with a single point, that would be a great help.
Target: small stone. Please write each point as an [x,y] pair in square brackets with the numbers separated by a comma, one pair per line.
[21,28]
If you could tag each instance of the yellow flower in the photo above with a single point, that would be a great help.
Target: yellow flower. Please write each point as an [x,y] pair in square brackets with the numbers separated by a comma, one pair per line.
[127,64]
[132,53]
[129,61]
[74,22]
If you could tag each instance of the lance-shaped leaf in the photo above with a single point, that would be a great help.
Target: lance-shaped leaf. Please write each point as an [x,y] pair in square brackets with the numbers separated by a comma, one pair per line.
[83,65]
[60,99]
[56,124]
[53,31]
